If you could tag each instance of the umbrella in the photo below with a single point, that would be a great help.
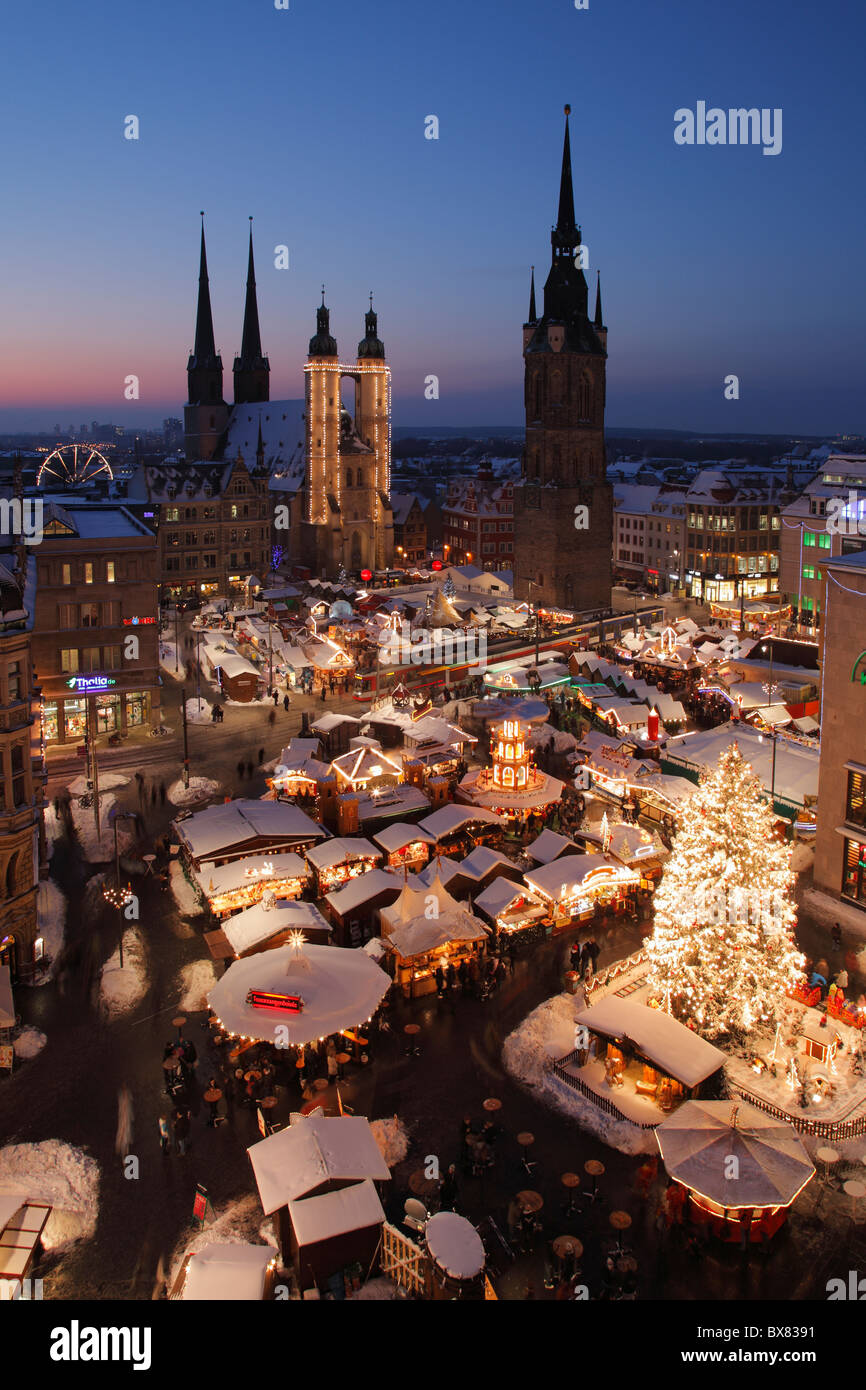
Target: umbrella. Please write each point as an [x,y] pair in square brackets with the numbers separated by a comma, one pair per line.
[698,1141]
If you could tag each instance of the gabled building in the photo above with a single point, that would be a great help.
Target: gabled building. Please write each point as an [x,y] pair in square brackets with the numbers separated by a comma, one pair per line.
[826,521]
[410,528]
[478,521]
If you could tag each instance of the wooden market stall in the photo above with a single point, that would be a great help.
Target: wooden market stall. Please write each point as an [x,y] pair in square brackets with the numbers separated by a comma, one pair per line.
[266,925]
[231,887]
[239,1272]
[575,883]
[514,910]
[336,861]
[354,908]
[418,941]
[458,829]
[405,846]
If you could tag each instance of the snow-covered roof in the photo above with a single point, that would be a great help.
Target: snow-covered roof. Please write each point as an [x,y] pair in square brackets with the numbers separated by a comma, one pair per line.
[451,818]
[677,1050]
[221,829]
[482,861]
[337,851]
[327,722]
[498,896]
[700,1138]
[235,1272]
[335,1213]
[403,800]
[258,923]
[295,1161]
[549,846]
[570,873]
[361,889]
[395,837]
[283,435]
[797,764]
[422,934]
[259,868]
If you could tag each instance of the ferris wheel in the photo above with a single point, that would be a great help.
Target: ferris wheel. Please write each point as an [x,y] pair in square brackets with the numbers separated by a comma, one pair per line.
[73,464]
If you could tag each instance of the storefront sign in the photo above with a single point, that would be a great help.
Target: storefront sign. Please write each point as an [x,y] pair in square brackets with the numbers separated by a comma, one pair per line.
[83,684]
[136,622]
[286,1003]
[200,1205]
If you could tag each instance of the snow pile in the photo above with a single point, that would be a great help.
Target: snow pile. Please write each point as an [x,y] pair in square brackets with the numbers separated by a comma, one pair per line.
[199,789]
[108,781]
[29,1043]
[802,858]
[167,659]
[198,711]
[379,1289]
[197,980]
[53,1172]
[121,989]
[548,1032]
[185,895]
[392,1139]
[50,923]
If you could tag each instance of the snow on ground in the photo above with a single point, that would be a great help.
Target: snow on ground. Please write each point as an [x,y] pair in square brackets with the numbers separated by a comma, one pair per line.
[198,711]
[97,849]
[185,895]
[54,1172]
[380,1289]
[392,1139]
[120,990]
[241,1223]
[197,980]
[29,1043]
[546,1033]
[199,789]
[51,924]
[167,658]
[108,781]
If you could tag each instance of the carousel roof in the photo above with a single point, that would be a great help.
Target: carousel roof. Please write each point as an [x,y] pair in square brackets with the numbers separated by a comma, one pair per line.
[340,988]
[698,1140]
[545,791]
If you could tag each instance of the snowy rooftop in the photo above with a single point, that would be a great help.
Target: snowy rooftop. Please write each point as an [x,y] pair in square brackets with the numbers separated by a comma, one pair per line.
[395,837]
[320,1149]
[451,818]
[235,1272]
[498,896]
[549,846]
[258,923]
[572,872]
[797,764]
[327,722]
[361,889]
[402,800]
[222,829]
[482,861]
[335,1213]
[333,852]
[677,1050]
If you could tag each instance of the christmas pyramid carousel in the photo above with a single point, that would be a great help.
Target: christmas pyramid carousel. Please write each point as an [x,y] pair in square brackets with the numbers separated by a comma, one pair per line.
[512,785]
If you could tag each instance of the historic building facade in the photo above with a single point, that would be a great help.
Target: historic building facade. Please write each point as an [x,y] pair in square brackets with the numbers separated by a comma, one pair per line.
[563,504]
[21,782]
[478,522]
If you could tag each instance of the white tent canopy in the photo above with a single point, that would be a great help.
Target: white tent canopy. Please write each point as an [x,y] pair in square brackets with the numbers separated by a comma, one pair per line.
[340,989]
[698,1140]
[235,1272]
[297,1161]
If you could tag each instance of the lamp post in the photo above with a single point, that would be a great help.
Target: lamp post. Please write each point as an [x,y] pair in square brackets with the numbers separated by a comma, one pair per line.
[533,584]
[114,895]
[185,741]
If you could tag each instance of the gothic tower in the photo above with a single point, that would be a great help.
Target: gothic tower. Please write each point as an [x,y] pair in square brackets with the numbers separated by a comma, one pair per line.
[563,505]
[346,516]
[251,369]
[205,414]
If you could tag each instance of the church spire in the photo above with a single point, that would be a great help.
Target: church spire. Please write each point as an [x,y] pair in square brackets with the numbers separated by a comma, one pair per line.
[204,351]
[251,368]
[565,237]
[322,344]
[371,344]
[598,321]
[533,316]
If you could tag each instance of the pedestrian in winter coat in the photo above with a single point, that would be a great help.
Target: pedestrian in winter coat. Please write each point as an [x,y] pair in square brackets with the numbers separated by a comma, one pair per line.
[333,1068]
[164,1134]
[240,769]
[448,1189]
[575,957]
[286,703]
[261,756]
[451,975]
[272,718]
[463,973]
[836,934]
[324,697]
[440,980]
[276,695]
[162,793]
[181,1129]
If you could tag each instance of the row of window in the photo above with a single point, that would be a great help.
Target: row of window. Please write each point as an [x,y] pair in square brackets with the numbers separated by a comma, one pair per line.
[89,572]
[74,659]
[17,771]
[209,562]
[105,614]
[191,539]
[489,548]
[745,564]
[749,519]
[821,539]
[489,526]
[810,572]
[236,512]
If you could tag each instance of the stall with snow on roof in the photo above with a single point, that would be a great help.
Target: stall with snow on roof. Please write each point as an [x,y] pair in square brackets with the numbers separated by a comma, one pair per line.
[266,925]
[458,829]
[575,883]
[240,828]
[336,861]
[241,883]
[238,1272]
[514,910]
[354,908]
[426,927]
[405,846]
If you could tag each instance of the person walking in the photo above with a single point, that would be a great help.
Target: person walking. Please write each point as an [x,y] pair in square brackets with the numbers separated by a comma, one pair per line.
[276,695]
[249,769]
[836,934]
[181,1129]
[333,1068]
[162,793]
[448,1190]
[261,756]
[440,980]
[272,718]
[164,1133]
[324,695]
[512,955]
[450,977]
[286,703]
[240,768]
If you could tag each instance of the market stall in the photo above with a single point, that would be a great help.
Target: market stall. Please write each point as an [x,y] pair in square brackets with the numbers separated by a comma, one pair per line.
[405,846]
[336,861]
[366,767]
[418,940]
[354,908]
[231,887]
[575,883]
[514,910]
[238,1272]
[237,829]
[266,925]
[458,829]
[705,1141]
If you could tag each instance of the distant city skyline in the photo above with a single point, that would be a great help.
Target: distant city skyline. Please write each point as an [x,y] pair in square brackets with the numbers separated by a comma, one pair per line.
[714,261]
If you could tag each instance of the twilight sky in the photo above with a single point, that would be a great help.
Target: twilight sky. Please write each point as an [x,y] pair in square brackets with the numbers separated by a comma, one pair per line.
[714,259]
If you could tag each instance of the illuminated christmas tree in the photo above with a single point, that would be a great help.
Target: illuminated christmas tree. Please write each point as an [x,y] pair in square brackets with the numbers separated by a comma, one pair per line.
[448,587]
[722,953]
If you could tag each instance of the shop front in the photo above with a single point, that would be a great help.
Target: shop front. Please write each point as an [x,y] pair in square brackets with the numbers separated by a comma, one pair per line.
[64,720]
[337,861]
[241,884]
[579,885]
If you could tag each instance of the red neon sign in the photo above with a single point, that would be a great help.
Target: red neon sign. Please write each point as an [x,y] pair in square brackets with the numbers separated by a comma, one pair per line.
[436,565]
[286,1003]
[366,575]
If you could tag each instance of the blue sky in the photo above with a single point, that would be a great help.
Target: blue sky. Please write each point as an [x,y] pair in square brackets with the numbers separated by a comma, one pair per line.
[713,260]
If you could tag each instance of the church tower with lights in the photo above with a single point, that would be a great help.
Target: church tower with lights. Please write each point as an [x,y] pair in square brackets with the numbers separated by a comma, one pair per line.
[563,505]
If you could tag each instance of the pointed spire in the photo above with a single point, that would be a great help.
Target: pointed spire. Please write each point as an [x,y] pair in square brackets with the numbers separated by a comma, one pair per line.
[533,316]
[251,342]
[322,344]
[371,344]
[205,349]
[598,320]
[566,234]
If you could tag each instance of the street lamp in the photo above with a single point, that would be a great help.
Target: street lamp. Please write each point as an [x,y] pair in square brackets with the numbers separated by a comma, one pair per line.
[117,897]
[533,584]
